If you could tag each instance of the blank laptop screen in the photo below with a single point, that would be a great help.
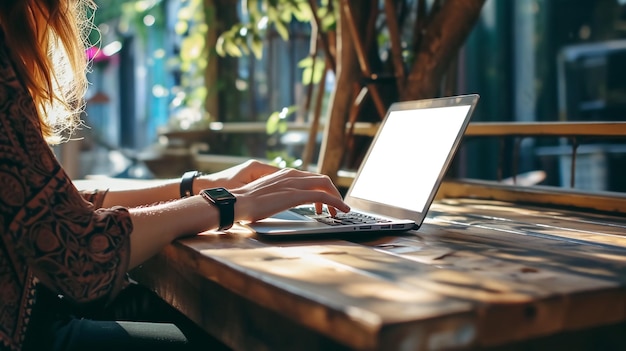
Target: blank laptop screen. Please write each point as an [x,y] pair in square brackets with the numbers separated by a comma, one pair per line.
[410,152]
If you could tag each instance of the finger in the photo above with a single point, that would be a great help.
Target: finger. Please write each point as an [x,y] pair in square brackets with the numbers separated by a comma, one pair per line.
[291,186]
[332,211]
[255,206]
[317,197]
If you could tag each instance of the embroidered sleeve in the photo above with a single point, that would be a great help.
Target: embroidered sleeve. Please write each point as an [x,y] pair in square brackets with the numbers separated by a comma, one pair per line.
[74,247]
[96,197]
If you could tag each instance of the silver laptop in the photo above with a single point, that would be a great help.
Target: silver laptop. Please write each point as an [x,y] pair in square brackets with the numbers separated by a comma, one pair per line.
[399,176]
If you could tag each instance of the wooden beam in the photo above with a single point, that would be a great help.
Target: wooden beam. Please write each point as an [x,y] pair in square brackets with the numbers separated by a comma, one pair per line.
[475,129]
[604,201]
[547,128]
[360,128]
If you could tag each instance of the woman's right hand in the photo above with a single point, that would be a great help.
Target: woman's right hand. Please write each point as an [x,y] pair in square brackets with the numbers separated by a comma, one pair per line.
[284,189]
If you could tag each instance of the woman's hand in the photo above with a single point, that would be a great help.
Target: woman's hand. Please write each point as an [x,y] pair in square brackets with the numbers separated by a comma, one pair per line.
[283,189]
[262,192]
[236,176]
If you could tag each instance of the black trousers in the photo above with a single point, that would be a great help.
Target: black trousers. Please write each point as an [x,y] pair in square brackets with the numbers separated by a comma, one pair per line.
[136,320]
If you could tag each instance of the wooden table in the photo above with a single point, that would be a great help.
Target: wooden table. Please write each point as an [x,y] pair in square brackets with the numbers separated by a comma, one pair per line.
[478,274]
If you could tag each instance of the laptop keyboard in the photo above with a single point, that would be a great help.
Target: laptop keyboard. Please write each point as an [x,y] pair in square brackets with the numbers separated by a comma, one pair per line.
[352,218]
[349,218]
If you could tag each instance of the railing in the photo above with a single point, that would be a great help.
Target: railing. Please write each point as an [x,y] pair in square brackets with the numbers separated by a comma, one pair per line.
[576,132]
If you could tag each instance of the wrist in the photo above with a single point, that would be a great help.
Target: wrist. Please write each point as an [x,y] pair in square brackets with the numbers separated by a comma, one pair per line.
[204,215]
[187,183]
[224,202]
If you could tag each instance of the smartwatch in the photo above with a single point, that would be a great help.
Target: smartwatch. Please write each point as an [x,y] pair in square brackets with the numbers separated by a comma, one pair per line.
[225,203]
[186,183]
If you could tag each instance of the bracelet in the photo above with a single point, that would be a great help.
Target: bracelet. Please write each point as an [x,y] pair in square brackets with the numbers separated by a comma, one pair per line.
[186,183]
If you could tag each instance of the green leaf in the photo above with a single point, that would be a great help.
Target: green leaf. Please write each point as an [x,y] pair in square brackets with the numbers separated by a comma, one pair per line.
[307,76]
[242,45]
[302,12]
[329,22]
[219,46]
[272,14]
[318,72]
[322,12]
[285,15]
[232,49]
[282,126]
[257,46]
[282,30]
[313,69]
[252,6]
[306,62]
[277,121]
[271,126]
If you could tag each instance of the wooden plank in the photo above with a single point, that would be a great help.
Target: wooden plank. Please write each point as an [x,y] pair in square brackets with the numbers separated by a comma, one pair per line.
[533,213]
[360,128]
[368,290]
[479,254]
[482,249]
[544,195]
[252,127]
[237,322]
[474,275]
[587,230]
[337,300]
[546,129]
[475,129]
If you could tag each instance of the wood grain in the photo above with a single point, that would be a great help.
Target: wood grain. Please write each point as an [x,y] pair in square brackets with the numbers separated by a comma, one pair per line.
[478,273]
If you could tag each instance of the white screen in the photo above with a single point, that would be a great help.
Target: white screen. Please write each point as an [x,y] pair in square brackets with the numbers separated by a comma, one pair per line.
[410,152]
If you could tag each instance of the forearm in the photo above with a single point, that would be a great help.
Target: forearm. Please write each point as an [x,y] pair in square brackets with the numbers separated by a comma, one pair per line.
[134,193]
[158,225]
[142,194]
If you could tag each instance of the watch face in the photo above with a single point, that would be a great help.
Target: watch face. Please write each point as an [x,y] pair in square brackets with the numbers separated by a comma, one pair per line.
[219,194]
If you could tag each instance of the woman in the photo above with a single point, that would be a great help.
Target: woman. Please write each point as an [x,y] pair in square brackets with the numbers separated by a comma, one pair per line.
[79,245]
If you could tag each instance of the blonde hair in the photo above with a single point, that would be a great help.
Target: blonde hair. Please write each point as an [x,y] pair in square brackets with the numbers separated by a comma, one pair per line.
[47,40]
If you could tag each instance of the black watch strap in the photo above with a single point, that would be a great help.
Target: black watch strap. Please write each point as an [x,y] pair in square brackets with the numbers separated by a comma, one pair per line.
[225,203]
[186,183]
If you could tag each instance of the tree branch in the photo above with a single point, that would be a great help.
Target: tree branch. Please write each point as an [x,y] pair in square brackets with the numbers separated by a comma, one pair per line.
[444,36]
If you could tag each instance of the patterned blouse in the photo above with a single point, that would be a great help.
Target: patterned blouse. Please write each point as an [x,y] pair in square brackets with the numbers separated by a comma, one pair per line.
[49,231]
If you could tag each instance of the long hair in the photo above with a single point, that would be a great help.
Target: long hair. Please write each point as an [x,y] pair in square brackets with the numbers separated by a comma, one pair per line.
[47,39]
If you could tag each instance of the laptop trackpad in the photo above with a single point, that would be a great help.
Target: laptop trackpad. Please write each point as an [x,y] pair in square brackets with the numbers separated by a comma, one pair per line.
[291,216]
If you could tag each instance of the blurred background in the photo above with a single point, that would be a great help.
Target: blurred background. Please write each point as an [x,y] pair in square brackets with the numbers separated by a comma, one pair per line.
[182,84]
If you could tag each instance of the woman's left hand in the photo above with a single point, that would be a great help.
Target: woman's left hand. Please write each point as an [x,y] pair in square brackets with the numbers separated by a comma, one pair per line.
[235,177]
